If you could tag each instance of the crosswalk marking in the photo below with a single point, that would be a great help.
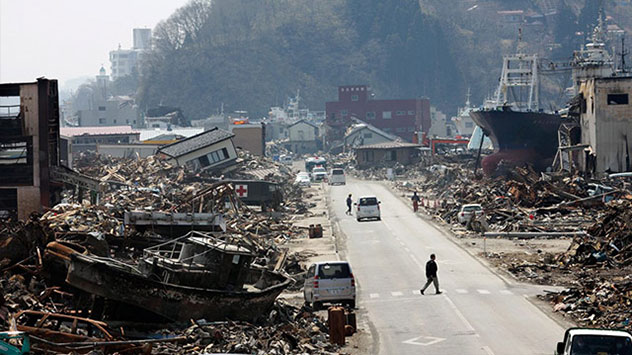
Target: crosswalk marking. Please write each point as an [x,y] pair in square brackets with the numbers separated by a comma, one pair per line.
[461,291]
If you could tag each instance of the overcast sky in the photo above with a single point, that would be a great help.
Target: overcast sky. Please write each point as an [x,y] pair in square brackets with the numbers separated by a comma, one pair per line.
[66,39]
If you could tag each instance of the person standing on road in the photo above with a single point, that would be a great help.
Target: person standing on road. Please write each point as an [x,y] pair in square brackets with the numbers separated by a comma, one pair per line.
[431,274]
[415,200]
[349,203]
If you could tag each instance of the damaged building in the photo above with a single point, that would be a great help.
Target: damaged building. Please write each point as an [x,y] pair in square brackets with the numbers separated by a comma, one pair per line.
[29,147]
[212,150]
[606,125]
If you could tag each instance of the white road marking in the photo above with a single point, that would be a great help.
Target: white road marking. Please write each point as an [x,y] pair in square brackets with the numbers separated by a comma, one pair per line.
[374,295]
[416,292]
[483,292]
[460,315]
[407,250]
[488,350]
[461,290]
[506,292]
[426,341]
[396,294]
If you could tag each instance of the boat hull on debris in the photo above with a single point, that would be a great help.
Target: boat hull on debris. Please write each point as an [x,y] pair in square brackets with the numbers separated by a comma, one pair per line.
[121,282]
[519,137]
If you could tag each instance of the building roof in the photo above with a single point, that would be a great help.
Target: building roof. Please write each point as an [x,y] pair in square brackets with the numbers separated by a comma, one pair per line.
[373,129]
[95,130]
[196,142]
[151,134]
[389,145]
[304,121]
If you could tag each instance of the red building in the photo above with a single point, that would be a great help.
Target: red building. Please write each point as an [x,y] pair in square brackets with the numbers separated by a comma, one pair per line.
[399,117]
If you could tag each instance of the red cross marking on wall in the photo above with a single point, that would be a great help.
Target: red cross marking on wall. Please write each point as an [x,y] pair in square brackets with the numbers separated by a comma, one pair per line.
[242,190]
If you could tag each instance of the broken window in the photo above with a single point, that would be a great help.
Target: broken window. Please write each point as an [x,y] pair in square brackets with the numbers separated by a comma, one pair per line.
[16,155]
[204,160]
[8,203]
[617,99]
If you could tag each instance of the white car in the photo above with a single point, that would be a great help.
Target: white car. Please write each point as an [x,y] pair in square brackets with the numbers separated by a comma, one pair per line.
[302,179]
[286,159]
[329,282]
[467,211]
[337,177]
[319,174]
[368,207]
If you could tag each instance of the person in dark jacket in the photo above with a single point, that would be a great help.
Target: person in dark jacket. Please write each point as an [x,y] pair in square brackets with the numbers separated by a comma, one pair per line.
[415,200]
[431,275]
[349,203]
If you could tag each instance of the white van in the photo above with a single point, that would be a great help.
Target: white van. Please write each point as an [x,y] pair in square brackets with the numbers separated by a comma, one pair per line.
[329,282]
[368,207]
[337,177]
[286,159]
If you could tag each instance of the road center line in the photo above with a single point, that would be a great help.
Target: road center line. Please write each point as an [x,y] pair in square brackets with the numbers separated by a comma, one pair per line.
[488,350]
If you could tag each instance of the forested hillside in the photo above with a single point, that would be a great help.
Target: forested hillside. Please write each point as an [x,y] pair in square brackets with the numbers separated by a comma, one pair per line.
[250,55]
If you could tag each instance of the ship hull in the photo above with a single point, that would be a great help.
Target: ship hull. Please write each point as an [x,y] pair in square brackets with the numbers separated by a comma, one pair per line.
[519,137]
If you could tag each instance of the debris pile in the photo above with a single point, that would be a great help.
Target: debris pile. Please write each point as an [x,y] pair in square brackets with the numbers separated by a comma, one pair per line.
[34,276]
[596,302]
[285,330]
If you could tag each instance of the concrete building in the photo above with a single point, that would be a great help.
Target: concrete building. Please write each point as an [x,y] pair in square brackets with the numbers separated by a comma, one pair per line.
[105,110]
[212,151]
[142,38]
[386,154]
[606,125]
[439,126]
[87,138]
[302,138]
[29,147]
[400,117]
[125,61]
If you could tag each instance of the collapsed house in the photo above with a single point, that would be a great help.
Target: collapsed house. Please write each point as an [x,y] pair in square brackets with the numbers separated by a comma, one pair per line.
[212,151]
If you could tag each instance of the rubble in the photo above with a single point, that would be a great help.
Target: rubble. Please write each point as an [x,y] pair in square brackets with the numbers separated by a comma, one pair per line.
[31,273]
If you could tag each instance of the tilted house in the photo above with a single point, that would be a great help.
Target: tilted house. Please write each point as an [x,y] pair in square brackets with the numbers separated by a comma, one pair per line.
[212,150]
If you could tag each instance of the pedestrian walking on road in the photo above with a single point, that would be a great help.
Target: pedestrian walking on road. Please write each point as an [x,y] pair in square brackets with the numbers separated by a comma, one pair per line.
[431,274]
[349,203]
[415,200]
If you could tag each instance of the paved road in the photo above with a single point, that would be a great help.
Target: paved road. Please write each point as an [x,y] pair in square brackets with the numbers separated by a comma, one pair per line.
[478,313]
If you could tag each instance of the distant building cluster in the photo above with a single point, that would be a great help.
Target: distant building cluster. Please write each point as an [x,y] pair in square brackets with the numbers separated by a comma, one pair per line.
[125,61]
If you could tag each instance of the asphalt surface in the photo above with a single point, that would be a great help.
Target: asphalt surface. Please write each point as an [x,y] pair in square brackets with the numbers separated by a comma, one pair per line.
[478,312]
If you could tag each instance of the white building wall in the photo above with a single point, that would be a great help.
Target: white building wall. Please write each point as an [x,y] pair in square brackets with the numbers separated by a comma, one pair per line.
[607,128]
[302,132]
[365,136]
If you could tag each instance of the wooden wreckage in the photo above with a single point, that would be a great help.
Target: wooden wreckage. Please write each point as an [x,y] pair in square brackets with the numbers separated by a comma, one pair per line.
[196,276]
